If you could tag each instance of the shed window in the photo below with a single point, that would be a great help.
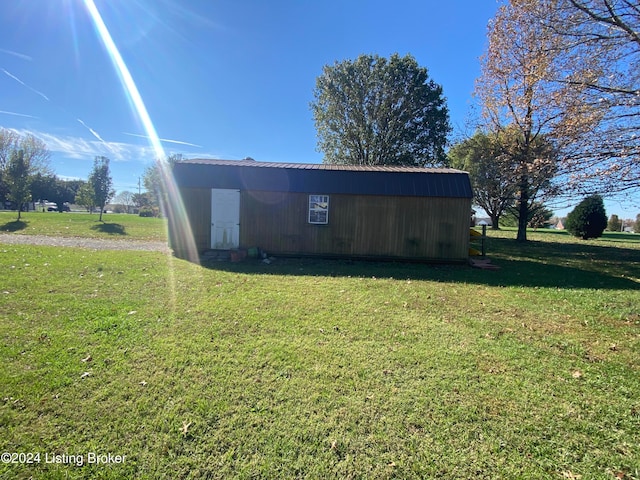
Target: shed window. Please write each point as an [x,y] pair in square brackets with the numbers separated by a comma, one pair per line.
[319,209]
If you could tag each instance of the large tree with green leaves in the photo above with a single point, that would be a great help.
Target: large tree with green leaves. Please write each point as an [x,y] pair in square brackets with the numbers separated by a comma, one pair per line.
[379,111]
[490,173]
[101,183]
[502,181]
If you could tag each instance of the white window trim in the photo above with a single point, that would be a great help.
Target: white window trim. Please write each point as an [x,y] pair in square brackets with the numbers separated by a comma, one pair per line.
[318,204]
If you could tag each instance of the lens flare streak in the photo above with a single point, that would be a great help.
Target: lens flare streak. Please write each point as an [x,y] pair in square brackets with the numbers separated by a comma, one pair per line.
[179,227]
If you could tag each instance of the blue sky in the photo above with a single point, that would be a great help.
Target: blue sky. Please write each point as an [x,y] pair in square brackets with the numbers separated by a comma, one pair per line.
[219,78]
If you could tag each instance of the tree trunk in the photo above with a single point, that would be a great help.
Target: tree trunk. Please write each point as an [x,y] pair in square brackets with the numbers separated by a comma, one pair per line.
[523,212]
[495,222]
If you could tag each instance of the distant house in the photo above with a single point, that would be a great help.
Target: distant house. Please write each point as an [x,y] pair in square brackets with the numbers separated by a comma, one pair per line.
[295,209]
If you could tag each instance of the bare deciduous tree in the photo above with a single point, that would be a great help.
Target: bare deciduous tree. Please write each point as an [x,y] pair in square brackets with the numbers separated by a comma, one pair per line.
[125,198]
[34,152]
[597,49]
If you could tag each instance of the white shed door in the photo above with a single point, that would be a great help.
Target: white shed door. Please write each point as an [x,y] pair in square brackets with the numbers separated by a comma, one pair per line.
[225,219]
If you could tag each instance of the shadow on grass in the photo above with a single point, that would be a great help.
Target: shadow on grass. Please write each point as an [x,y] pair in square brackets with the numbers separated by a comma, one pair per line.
[14,226]
[621,237]
[110,228]
[534,264]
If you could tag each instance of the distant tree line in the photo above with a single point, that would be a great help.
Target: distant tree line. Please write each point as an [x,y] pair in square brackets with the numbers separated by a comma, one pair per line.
[26,176]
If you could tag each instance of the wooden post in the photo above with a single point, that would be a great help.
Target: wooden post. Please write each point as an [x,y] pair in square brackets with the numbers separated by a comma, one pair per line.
[484,237]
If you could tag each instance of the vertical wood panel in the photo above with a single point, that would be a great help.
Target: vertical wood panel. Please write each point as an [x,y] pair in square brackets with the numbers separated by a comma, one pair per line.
[404,227]
[197,205]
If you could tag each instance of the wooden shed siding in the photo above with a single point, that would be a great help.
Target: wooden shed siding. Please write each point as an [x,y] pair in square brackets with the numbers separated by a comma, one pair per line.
[407,227]
[425,228]
[197,205]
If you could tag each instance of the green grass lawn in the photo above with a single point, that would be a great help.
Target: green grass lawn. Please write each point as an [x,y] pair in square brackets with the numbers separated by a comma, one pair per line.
[311,368]
[113,225]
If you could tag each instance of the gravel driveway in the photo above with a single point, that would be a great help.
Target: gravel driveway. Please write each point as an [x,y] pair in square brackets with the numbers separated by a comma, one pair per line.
[90,243]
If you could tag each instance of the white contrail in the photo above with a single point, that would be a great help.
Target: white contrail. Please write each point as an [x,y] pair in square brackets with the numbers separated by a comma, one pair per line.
[107,145]
[81,148]
[24,84]
[93,132]
[16,54]
[17,114]
[179,142]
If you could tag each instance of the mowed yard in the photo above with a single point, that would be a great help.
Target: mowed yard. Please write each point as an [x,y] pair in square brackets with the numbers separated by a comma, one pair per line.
[309,368]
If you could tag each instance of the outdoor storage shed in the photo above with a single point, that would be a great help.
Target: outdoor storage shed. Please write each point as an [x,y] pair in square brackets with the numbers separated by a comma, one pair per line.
[408,213]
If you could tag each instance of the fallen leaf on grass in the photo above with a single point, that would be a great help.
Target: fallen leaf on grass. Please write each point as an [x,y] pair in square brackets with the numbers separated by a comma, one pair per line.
[88,358]
[571,476]
[577,374]
[143,383]
[185,428]
[85,375]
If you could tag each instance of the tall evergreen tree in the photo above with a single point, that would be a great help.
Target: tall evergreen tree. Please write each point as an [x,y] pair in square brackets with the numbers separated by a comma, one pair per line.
[588,219]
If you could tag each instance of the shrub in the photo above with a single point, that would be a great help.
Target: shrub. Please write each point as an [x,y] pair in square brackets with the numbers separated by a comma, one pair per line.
[588,219]
[147,212]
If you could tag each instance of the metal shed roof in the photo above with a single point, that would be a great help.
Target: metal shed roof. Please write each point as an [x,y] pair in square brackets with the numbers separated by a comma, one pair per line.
[322,178]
